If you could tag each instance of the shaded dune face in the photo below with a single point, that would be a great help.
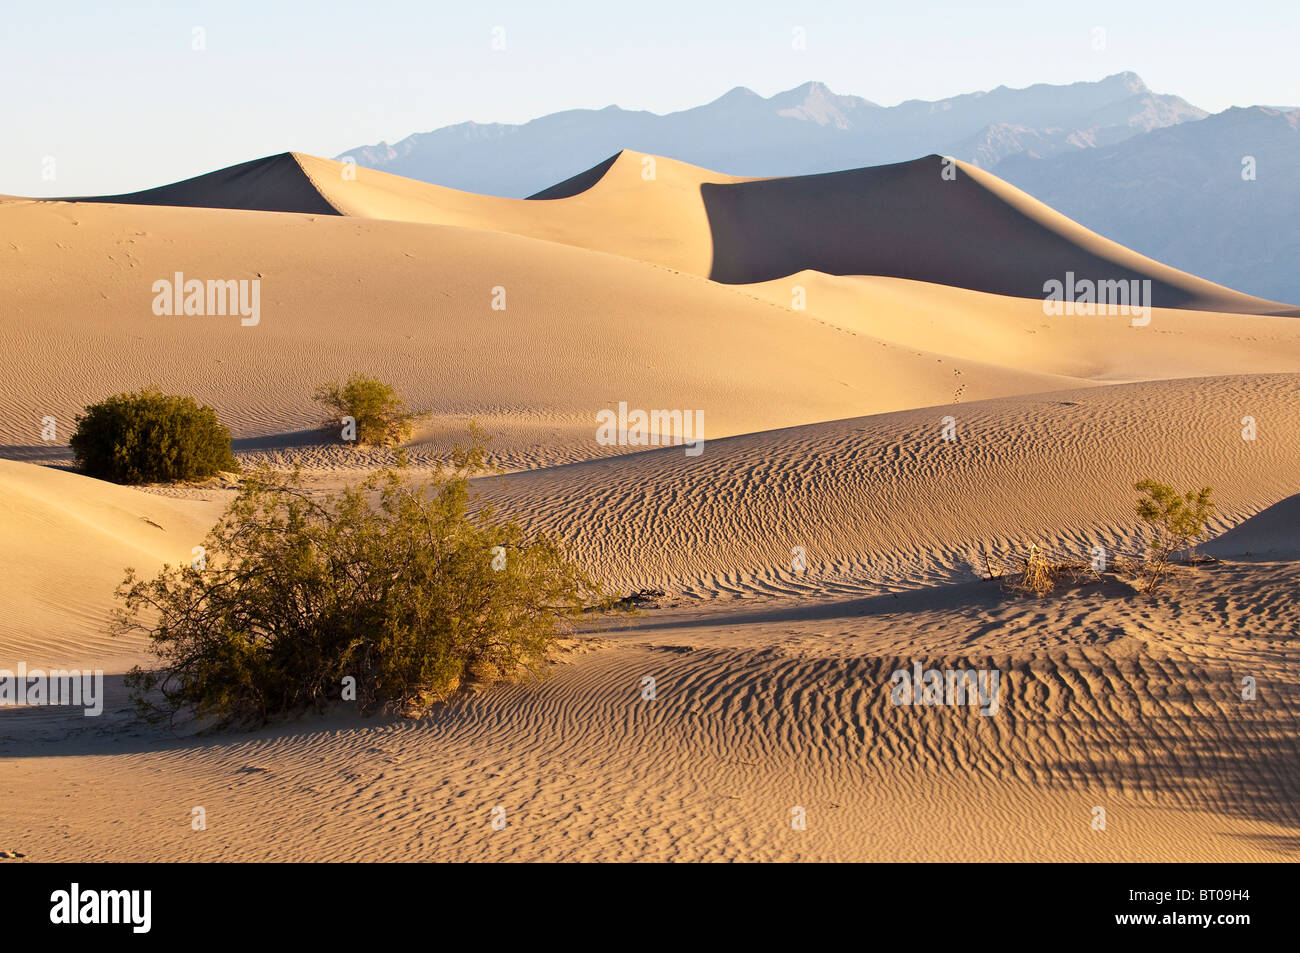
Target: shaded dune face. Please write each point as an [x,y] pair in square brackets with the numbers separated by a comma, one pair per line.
[1274,533]
[579,183]
[907,221]
[273,184]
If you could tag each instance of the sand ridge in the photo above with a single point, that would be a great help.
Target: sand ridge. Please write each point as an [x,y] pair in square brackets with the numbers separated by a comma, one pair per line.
[931,219]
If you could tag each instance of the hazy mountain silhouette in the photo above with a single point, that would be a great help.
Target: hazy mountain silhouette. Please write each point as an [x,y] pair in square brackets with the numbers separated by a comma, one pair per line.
[1179,195]
[803,130]
[1148,170]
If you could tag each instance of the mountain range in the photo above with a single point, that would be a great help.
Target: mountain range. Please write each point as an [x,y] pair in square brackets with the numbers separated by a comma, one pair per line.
[1150,170]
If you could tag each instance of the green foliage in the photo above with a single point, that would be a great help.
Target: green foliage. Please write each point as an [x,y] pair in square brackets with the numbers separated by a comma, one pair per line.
[395,584]
[1175,523]
[149,436]
[382,417]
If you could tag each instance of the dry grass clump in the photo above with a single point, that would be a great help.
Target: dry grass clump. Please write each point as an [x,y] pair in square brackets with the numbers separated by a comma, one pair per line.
[1034,573]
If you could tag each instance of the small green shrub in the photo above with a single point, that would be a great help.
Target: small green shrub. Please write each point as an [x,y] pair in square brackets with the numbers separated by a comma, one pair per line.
[381,416]
[149,436]
[1175,522]
[405,588]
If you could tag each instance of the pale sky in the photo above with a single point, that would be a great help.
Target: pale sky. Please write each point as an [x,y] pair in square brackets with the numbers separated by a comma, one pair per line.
[121,100]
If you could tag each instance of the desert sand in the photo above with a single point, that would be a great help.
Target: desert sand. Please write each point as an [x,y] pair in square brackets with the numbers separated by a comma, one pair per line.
[828,327]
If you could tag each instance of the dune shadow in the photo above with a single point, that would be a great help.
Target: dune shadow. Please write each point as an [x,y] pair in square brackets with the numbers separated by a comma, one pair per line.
[975,594]
[288,440]
[40,453]
[1243,766]
[1273,532]
[903,220]
[275,183]
[64,731]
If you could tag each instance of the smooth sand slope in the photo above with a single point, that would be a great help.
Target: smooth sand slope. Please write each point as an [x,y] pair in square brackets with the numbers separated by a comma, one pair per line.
[1014,332]
[903,221]
[581,332]
[66,541]
[880,302]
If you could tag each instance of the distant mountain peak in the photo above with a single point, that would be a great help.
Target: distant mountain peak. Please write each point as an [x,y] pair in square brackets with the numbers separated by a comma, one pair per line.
[810,88]
[736,94]
[1128,80]
[816,102]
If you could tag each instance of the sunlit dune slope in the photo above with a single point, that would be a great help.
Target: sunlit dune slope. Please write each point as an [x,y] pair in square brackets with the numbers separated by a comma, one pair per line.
[66,541]
[1015,332]
[968,229]
[887,501]
[580,331]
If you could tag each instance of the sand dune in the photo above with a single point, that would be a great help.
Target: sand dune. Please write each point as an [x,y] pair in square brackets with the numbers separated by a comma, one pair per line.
[1274,533]
[1135,712]
[829,328]
[1109,701]
[274,184]
[659,219]
[902,221]
[877,503]
[906,221]
[885,502]
[1014,332]
[413,303]
[66,541]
